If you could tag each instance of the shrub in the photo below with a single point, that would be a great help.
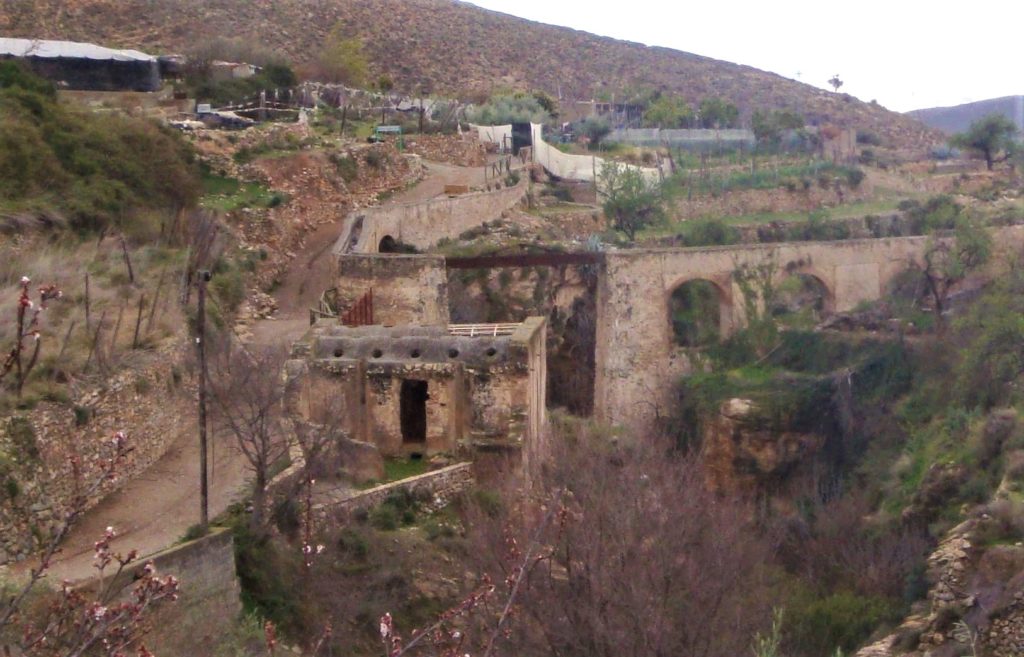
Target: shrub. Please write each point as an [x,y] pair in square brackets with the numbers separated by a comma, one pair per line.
[376,158]
[384,517]
[100,170]
[841,620]
[854,177]
[709,232]
[346,166]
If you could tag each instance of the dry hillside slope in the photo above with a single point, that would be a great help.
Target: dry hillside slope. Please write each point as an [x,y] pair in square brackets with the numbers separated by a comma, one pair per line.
[449,47]
[959,118]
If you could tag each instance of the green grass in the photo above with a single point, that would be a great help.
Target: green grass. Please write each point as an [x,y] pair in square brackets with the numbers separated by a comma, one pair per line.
[398,469]
[230,194]
[849,211]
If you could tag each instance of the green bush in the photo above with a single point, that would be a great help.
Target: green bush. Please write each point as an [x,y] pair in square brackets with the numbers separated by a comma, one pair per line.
[98,170]
[708,232]
[819,625]
[347,167]
[384,517]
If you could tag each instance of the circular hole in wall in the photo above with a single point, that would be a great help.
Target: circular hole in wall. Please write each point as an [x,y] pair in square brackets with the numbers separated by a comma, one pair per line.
[339,352]
[415,353]
[491,352]
[377,353]
[453,353]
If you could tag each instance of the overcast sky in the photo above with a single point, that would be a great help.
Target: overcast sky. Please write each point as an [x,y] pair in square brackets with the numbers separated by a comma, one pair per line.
[906,54]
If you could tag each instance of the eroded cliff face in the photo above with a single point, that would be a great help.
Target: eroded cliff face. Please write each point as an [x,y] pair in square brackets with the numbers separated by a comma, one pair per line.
[743,459]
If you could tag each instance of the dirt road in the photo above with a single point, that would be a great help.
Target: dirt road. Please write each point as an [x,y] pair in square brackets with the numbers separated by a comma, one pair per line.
[155,510]
[311,271]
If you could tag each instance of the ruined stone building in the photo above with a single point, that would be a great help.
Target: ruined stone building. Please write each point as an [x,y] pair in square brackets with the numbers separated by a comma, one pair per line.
[409,383]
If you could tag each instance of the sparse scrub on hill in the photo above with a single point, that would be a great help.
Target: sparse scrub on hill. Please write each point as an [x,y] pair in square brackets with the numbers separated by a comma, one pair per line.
[86,168]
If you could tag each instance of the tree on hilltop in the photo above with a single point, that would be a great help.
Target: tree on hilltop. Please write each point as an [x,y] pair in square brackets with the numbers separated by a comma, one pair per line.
[990,136]
[835,82]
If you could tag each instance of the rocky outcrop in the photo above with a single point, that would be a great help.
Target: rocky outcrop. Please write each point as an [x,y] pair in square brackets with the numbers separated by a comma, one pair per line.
[975,604]
[741,458]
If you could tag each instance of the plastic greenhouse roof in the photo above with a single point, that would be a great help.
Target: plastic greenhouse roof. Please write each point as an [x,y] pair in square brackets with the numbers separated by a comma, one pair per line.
[68,49]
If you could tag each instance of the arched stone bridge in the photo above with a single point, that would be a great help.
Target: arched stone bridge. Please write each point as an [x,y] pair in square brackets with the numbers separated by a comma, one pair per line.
[637,360]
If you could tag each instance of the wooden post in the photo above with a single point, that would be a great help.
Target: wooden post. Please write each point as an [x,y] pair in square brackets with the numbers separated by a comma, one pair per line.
[88,323]
[204,494]
[127,261]
[138,321]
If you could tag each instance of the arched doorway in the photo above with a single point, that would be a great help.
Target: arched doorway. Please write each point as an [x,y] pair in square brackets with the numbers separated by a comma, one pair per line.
[387,244]
[696,313]
[801,300]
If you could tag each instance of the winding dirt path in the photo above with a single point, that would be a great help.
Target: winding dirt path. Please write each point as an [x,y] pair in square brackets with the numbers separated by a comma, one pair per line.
[155,509]
[312,268]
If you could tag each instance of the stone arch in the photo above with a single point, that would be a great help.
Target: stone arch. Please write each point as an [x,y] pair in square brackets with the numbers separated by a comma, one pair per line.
[699,312]
[387,244]
[804,296]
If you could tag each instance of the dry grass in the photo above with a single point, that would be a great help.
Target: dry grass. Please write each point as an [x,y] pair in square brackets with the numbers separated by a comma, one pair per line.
[75,350]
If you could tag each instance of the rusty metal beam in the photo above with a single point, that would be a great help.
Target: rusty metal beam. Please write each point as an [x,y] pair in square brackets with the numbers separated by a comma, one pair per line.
[524,260]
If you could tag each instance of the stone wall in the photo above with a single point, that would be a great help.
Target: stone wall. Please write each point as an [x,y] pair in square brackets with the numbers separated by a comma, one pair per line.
[57,449]
[422,225]
[440,487]
[407,289]
[637,361]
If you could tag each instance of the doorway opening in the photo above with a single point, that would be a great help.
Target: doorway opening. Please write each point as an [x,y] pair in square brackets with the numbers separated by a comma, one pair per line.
[413,409]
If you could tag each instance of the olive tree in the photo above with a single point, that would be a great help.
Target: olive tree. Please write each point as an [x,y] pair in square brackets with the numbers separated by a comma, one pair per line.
[631,200]
[993,137]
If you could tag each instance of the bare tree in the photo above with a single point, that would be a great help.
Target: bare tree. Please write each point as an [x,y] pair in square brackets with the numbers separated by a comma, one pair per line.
[248,391]
[642,560]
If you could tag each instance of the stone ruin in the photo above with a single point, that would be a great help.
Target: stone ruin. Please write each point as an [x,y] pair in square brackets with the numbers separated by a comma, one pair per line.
[424,390]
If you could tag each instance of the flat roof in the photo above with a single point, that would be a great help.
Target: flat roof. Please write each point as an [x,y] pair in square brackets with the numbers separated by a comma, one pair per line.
[68,49]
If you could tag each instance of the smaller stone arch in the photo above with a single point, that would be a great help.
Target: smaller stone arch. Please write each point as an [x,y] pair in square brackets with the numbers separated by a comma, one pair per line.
[387,244]
[699,313]
[802,298]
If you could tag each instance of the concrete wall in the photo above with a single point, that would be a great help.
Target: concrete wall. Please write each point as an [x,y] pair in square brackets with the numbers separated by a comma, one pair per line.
[424,224]
[407,289]
[209,595]
[442,486]
[575,167]
[695,137]
[637,360]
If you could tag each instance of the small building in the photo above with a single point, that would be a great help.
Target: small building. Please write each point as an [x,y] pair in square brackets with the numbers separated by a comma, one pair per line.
[222,71]
[422,390]
[78,66]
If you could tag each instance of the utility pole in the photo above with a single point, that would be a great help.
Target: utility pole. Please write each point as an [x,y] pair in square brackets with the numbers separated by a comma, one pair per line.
[204,492]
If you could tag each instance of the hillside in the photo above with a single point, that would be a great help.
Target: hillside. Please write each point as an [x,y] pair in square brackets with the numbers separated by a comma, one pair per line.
[958,118]
[449,47]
